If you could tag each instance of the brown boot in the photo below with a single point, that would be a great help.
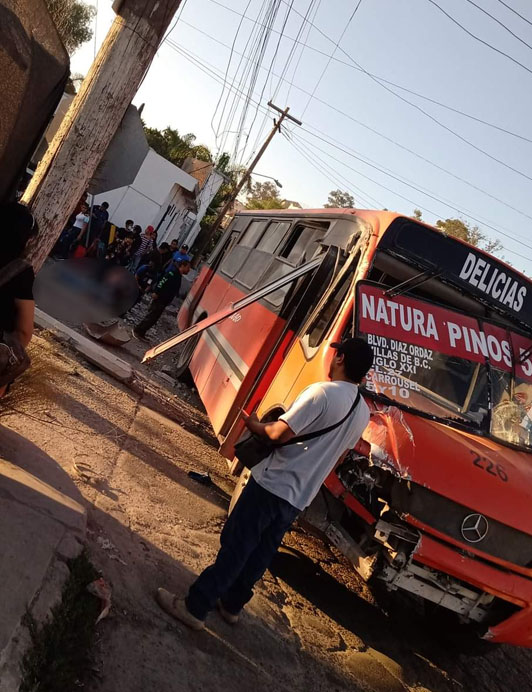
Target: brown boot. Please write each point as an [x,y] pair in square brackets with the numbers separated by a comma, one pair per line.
[176,607]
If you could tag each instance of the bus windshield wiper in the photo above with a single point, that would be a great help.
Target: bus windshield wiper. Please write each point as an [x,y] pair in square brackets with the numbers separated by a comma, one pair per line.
[412,282]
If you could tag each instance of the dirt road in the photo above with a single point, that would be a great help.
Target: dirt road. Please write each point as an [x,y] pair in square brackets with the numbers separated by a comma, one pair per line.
[310,626]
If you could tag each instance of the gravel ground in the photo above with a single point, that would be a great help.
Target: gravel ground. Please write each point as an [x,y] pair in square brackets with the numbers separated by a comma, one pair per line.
[312,624]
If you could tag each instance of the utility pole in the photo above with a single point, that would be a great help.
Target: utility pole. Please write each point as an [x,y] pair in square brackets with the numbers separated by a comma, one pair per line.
[76,150]
[216,225]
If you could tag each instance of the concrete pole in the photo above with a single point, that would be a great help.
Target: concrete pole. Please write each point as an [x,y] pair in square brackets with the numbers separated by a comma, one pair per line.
[205,240]
[94,116]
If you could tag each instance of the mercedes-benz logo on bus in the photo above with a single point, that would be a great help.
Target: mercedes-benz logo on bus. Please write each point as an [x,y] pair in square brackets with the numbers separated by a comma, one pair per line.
[474,528]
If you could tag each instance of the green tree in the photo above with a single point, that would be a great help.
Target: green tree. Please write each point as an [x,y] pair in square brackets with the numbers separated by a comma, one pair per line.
[465,231]
[338,199]
[264,196]
[175,147]
[72,19]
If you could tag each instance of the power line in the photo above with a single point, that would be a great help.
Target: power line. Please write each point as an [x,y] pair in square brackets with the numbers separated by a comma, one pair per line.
[346,27]
[336,144]
[333,176]
[509,7]
[498,21]
[428,115]
[379,78]
[424,192]
[477,38]
[394,142]
[412,202]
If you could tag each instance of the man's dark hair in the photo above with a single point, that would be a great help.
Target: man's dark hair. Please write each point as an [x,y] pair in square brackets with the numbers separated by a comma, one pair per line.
[175,240]
[182,263]
[164,246]
[358,357]
[129,222]
[17,225]
[184,247]
[137,229]
[104,205]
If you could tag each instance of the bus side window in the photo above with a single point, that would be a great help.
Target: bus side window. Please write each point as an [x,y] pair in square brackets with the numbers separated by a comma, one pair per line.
[301,242]
[323,321]
[273,236]
[252,233]
[235,259]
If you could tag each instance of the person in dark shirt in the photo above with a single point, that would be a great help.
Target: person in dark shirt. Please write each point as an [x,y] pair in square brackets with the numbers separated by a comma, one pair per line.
[146,276]
[17,306]
[166,289]
[162,256]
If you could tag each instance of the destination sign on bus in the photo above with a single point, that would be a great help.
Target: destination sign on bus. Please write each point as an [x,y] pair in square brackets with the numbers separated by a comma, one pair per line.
[475,272]
[406,333]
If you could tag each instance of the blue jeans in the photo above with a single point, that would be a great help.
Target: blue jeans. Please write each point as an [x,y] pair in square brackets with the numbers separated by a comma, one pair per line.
[249,540]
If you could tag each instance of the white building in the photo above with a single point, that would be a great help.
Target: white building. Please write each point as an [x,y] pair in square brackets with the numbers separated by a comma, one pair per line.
[178,218]
[144,200]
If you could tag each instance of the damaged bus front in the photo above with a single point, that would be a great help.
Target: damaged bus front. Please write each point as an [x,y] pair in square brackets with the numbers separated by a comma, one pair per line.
[436,501]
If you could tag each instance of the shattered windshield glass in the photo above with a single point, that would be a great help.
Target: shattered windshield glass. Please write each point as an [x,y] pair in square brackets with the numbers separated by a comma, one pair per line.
[448,365]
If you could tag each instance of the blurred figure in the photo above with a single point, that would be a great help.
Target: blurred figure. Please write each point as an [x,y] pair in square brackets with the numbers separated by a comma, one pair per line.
[163,294]
[73,236]
[143,244]
[17,306]
[165,253]
[146,277]
[100,216]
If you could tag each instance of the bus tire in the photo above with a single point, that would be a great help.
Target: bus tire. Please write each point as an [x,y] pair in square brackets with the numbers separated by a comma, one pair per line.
[239,487]
[184,354]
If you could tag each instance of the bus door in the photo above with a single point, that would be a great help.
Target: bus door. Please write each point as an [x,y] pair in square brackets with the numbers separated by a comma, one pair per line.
[293,298]
[228,355]
[298,303]
[309,356]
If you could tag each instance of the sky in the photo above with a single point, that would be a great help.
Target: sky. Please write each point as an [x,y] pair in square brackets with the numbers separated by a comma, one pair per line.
[358,134]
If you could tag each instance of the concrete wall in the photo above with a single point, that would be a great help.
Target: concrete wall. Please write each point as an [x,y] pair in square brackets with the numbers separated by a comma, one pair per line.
[144,199]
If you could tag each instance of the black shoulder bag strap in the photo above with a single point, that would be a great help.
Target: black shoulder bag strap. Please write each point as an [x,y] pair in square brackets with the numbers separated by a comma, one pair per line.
[323,431]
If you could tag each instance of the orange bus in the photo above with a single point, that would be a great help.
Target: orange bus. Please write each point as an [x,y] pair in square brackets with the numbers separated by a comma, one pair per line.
[436,499]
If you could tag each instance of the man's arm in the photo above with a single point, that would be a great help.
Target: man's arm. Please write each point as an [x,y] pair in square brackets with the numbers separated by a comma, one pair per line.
[24,321]
[278,431]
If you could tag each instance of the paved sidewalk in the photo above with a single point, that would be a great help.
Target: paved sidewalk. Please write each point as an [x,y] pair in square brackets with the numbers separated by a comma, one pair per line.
[42,522]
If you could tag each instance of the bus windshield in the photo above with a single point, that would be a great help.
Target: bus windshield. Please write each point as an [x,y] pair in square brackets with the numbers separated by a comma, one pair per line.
[448,365]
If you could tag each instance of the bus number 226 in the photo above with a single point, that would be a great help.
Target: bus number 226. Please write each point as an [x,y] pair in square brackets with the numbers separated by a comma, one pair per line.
[488,466]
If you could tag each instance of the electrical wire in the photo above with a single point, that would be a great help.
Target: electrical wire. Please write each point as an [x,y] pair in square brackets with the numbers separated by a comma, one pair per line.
[303,153]
[399,145]
[418,189]
[340,146]
[498,21]
[379,78]
[335,176]
[385,81]
[428,115]
[394,192]
[326,67]
[477,38]
[509,7]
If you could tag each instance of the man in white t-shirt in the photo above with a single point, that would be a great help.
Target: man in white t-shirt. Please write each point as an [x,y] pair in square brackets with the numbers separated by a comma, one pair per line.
[281,486]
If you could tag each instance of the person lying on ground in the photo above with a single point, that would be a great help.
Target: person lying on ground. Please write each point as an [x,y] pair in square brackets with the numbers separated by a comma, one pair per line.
[166,289]
[17,306]
[280,487]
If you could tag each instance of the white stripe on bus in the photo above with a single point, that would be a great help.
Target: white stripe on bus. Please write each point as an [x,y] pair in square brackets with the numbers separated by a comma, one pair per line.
[223,360]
